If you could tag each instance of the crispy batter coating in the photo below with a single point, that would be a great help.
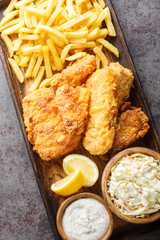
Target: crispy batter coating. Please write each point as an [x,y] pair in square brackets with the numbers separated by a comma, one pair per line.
[125,82]
[49,130]
[131,125]
[100,127]
[73,107]
[75,74]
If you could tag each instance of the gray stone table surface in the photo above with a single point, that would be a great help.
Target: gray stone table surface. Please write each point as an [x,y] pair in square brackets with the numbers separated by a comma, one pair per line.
[22,213]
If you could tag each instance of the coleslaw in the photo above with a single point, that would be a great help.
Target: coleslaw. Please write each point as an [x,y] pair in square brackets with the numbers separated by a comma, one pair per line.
[134,185]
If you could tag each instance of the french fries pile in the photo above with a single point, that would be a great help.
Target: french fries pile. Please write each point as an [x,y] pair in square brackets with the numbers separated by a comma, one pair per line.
[42,35]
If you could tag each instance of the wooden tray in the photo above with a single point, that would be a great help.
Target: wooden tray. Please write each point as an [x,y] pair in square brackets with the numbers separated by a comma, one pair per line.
[49,172]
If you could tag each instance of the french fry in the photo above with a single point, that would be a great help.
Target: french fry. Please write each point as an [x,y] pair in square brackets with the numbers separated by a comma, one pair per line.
[76,56]
[24,61]
[21,55]
[17,59]
[24,46]
[57,41]
[43,5]
[77,50]
[28,37]
[98,62]
[53,66]
[31,66]
[36,12]
[80,2]
[21,11]
[47,62]
[10,7]
[34,21]
[59,4]
[81,40]
[76,34]
[27,19]
[16,44]
[91,44]
[101,3]
[13,29]
[55,33]
[100,19]
[8,43]
[9,24]
[59,50]
[103,32]
[39,2]
[56,59]
[54,16]
[31,50]
[94,34]
[25,30]
[42,35]
[46,82]
[109,46]
[89,5]
[38,79]
[25,2]
[70,8]
[51,5]
[98,8]
[91,20]
[16,69]
[65,15]
[65,53]
[101,55]
[110,27]
[37,29]
[76,21]
[8,17]
[37,65]
[60,21]
[100,47]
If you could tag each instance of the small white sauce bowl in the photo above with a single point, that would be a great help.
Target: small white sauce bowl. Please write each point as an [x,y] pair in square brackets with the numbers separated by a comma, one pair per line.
[73,198]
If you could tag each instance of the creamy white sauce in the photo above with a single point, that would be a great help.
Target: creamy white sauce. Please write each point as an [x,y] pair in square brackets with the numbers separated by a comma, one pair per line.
[85,219]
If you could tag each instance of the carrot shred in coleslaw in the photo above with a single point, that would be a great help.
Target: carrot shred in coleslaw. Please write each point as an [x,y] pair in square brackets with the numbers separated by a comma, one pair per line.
[134,185]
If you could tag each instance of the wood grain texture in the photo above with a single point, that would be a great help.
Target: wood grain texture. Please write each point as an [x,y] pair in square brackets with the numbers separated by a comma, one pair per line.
[49,172]
[4,2]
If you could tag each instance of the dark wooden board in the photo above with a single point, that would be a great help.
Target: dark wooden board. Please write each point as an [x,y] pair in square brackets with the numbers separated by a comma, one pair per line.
[48,172]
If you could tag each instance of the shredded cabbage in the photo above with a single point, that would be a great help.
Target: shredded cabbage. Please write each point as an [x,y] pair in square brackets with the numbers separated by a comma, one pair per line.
[134,185]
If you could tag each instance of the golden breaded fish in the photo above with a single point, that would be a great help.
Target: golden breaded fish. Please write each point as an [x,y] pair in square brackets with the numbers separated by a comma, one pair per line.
[52,130]
[125,82]
[100,129]
[76,73]
[132,124]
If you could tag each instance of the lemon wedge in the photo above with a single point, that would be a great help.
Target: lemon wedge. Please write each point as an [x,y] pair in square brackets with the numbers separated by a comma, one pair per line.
[89,169]
[70,184]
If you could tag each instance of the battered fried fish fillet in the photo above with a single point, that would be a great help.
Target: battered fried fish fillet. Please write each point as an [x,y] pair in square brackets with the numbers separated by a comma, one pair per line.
[103,109]
[75,74]
[125,82]
[73,107]
[131,125]
[49,130]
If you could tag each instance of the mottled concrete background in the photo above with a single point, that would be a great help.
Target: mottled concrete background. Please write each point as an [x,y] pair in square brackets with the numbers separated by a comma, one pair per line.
[22,214]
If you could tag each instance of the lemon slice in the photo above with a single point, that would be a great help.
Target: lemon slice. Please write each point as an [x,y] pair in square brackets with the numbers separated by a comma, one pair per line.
[89,169]
[70,184]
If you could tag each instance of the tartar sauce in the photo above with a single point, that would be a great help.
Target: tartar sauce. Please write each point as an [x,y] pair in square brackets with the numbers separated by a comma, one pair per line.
[134,185]
[85,219]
